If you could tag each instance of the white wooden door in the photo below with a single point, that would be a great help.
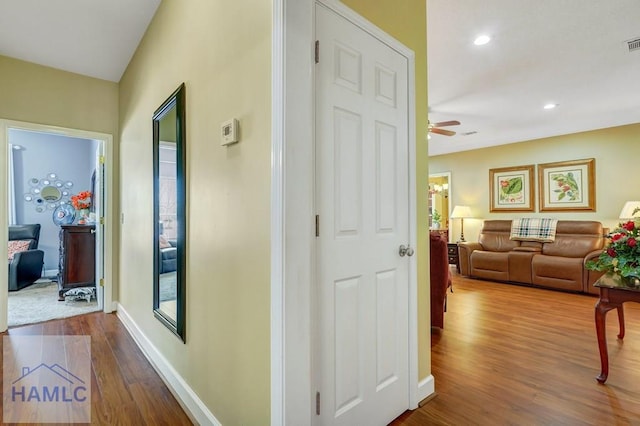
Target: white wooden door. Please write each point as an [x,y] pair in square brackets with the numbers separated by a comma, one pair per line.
[362,200]
[98,196]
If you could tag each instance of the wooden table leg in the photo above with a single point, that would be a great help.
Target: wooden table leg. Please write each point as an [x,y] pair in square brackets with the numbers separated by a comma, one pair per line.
[621,322]
[600,316]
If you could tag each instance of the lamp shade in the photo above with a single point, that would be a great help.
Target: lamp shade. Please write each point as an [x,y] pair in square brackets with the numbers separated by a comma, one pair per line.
[460,212]
[630,210]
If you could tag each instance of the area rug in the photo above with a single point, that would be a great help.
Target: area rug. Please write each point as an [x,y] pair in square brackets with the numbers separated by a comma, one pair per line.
[39,302]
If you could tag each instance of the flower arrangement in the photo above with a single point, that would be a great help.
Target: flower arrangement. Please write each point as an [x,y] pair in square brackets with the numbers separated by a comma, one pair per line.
[82,200]
[622,255]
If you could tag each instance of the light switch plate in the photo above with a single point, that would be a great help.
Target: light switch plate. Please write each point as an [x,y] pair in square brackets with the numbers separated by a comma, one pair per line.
[229,132]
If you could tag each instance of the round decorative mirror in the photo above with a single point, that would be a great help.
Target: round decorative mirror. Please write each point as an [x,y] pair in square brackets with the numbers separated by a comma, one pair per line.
[50,193]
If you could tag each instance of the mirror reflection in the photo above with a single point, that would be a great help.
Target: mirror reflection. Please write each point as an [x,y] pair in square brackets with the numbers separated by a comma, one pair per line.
[169,213]
[438,203]
[50,193]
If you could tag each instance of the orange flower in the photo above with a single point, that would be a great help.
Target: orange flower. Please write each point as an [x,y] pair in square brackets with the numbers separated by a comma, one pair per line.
[82,200]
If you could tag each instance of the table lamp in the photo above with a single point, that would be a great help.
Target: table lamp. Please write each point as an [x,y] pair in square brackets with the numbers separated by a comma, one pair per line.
[460,212]
[630,210]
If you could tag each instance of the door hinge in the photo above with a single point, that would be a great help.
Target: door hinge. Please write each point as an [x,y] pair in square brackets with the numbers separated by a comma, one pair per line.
[101,282]
[317,51]
[102,159]
[317,225]
[102,221]
[317,403]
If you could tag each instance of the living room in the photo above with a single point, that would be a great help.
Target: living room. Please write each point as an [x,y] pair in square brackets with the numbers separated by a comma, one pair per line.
[538,90]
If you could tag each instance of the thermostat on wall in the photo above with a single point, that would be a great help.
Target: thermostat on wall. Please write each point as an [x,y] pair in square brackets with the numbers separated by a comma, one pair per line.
[230,132]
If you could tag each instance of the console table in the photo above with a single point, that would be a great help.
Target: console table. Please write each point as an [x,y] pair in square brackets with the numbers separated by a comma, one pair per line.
[77,263]
[614,291]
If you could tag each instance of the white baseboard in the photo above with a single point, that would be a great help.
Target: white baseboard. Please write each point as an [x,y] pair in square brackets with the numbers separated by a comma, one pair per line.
[50,273]
[193,406]
[426,388]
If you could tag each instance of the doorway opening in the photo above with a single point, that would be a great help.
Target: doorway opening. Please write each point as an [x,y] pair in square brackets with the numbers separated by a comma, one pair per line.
[49,170]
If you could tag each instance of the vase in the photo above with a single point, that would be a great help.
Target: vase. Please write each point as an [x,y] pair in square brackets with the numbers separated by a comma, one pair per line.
[83,216]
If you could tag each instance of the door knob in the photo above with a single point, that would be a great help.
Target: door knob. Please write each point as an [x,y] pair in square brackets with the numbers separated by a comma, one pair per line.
[408,251]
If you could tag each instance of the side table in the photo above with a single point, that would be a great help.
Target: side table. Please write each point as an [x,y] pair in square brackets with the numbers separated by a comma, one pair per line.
[454,256]
[614,291]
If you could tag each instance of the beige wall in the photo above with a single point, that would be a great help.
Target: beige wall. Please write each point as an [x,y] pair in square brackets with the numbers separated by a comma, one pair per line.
[222,51]
[406,21]
[616,151]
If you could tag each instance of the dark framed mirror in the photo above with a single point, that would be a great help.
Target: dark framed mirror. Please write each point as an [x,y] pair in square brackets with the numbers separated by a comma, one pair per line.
[169,213]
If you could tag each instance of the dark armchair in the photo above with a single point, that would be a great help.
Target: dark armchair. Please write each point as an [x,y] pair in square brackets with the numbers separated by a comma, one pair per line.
[440,278]
[168,255]
[26,266]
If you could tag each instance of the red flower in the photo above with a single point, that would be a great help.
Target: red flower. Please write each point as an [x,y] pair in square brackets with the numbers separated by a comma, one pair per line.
[611,252]
[629,226]
[631,242]
[616,237]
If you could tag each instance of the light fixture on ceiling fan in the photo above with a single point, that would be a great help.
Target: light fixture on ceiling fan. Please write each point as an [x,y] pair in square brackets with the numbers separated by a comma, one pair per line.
[435,127]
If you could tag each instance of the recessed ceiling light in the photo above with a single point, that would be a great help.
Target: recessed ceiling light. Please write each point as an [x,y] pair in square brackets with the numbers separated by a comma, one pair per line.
[482,39]
[550,106]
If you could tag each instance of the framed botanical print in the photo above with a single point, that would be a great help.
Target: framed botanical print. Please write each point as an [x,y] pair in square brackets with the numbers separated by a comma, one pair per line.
[511,189]
[567,185]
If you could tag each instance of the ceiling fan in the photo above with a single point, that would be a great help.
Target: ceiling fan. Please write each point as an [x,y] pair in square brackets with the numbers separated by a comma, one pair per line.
[435,127]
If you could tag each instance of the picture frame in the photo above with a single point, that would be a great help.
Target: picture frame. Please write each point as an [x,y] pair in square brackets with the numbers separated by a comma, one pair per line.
[511,189]
[567,185]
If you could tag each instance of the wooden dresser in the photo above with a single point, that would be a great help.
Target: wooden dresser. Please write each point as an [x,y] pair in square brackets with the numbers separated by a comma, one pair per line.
[77,264]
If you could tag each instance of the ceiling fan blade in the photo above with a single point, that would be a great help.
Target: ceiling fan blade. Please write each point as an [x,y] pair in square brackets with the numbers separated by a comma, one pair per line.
[446,123]
[442,131]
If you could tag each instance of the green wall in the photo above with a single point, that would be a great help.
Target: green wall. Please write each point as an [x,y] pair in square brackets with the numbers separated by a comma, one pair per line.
[615,149]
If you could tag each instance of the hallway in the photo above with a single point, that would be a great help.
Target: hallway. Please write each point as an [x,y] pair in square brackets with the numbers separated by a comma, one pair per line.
[125,389]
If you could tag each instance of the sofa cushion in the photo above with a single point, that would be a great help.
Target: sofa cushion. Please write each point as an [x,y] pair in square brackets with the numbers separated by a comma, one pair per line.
[164,243]
[495,236]
[16,246]
[563,273]
[575,239]
[490,265]
[169,253]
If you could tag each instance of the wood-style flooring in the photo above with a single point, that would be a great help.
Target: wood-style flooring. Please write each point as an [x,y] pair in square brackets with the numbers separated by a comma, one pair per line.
[126,390]
[508,355]
[513,355]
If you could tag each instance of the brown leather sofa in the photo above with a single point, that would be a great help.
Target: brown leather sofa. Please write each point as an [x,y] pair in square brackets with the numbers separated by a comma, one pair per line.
[557,265]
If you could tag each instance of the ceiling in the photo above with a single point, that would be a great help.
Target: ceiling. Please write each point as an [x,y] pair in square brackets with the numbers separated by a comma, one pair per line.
[90,37]
[569,52]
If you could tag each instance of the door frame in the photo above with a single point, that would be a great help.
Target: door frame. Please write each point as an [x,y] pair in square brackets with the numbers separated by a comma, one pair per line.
[107,142]
[292,209]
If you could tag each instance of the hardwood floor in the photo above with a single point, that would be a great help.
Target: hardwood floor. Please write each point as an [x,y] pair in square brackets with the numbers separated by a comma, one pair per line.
[507,355]
[525,356]
[125,390]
